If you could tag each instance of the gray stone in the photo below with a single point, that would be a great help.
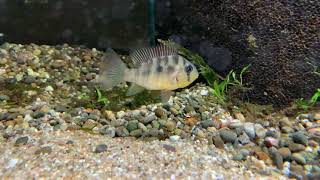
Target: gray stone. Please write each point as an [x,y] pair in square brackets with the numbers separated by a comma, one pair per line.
[136,133]
[207,123]
[101,148]
[122,131]
[238,157]
[260,131]
[151,117]
[4,97]
[249,129]
[244,139]
[22,140]
[132,125]
[228,135]
[299,137]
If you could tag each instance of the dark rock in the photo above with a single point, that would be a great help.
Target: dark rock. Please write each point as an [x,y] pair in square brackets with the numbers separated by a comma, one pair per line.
[38,114]
[4,116]
[136,133]
[299,137]
[228,135]
[22,140]
[101,148]
[60,109]
[207,123]
[122,132]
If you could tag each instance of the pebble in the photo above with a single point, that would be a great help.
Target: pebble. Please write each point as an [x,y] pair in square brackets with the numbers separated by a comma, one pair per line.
[249,129]
[244,139]
[262,155]
[218,142]
[298,158]
[270,141]
[49,89]
[174,138]
[277,159]
[100,148]
[260,131]
[120,114]
[160,112]
[44,150]
[207,123]
[228,135]
[294,147]
[149,118]
[4,97]
[136,133]
[22,140]
[170,125]
[285,153]
[316,116]
[299,137]
[89,124]
[237,157]
[132,125]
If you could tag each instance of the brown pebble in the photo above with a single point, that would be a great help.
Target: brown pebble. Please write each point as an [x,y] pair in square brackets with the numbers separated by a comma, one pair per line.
[218,142]
[262,155]
[285,153]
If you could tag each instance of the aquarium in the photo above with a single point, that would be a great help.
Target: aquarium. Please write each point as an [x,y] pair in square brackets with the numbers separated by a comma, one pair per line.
[167,89]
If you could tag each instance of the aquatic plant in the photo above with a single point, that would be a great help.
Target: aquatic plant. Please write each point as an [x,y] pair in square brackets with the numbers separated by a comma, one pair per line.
[102,99]
[218,83]
[305,104]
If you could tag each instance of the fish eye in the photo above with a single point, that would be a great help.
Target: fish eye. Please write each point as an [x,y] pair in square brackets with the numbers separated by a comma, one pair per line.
[188,68]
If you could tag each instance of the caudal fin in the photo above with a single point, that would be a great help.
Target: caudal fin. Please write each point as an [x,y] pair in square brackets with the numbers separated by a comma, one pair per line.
[112,70]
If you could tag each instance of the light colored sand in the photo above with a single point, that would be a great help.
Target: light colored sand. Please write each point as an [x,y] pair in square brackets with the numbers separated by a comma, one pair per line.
[125,158]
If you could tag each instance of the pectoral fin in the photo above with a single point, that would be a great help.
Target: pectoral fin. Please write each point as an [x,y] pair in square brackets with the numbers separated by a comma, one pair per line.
[165,96]
[134,89]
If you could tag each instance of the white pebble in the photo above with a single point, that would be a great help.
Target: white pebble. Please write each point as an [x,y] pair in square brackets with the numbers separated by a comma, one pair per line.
[204,92]
[174,138]
[12,163]
[120,114]
[49,89]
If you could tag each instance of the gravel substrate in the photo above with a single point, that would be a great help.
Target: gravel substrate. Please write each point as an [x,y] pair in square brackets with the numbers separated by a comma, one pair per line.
[79,155]
[47,93]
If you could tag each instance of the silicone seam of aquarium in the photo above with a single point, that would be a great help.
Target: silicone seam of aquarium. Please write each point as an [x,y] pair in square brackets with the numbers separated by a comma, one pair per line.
[151,25]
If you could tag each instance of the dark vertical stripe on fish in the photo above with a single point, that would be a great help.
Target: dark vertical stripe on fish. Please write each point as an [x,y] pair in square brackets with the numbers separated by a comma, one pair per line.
[170,69]
[175,59]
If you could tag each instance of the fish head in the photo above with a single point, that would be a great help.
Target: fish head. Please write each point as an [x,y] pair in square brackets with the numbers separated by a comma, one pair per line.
[187,74]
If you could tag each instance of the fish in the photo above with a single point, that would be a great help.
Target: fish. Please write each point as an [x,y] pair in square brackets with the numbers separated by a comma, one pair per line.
[159,68]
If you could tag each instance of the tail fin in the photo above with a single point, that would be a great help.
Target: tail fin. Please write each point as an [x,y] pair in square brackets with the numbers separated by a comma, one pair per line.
[112,70]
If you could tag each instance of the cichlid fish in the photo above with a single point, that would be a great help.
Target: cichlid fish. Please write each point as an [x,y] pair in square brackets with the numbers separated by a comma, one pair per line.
[159,68]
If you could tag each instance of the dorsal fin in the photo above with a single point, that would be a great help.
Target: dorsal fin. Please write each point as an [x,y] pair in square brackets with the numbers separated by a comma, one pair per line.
[145,55]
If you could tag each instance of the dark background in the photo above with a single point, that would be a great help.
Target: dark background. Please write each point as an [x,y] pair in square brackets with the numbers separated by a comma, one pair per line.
[94,23]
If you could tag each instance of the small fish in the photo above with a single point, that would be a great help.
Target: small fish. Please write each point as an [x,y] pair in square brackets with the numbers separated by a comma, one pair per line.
[159,68]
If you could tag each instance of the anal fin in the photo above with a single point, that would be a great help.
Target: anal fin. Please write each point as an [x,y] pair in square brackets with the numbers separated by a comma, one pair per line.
[134,89]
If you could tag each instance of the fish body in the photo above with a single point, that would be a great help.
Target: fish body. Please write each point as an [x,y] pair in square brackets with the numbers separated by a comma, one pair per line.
[159,68]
